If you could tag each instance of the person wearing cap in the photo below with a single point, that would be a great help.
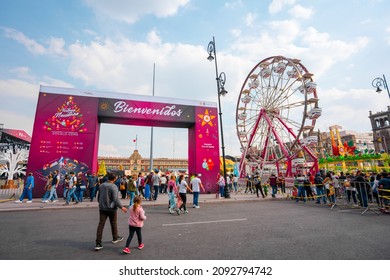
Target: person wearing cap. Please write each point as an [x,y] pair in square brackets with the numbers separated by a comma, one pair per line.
[27,190]
[196,184]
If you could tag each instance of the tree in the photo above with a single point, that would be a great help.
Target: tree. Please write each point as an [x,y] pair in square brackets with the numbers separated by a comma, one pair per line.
[102,168]
[13,163]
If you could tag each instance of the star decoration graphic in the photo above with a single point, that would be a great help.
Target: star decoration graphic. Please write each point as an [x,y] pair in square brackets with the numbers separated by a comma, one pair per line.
[206,118]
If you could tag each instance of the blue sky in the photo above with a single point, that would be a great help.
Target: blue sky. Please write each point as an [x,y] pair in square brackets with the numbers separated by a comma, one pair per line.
[112,46]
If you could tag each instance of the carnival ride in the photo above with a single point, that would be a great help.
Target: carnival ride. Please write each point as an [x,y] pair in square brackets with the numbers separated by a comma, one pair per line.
[338,148]
[275,117]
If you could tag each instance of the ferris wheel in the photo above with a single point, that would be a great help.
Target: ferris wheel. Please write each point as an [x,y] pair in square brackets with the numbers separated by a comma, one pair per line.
[276,114]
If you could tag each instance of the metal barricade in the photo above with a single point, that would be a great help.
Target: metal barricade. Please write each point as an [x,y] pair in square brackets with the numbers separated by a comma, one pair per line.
[355,194]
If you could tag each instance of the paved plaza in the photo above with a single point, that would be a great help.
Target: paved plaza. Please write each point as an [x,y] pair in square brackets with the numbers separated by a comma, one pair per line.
[241,228]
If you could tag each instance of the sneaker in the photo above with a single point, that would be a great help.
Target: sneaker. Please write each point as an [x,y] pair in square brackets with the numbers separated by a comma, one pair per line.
[29,201]
[197,206]
[98,247]
[119,239]
[55,200]
[66,204]
[141,246]
[76,202]
[18,201]
[177,211]
[126,250]
[45,201]
[170,210]
[186,212]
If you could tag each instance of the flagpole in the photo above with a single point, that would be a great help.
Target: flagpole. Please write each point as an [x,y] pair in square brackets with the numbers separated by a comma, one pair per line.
[136,142]
[151,130]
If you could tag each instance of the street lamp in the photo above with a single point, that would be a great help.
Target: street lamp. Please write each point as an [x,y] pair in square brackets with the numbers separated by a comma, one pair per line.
[378,83]
[221,79]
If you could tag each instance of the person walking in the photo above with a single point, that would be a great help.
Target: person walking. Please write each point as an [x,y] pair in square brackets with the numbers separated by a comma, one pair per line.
[108,205]
[195,185]
[148,183]
[163,185]
[172,193]
[300,182]
[156,184]
[131,189]
[257,182]
[53,190]
[320,189]
[136,222]
[27,190]
[183,187]
[71,189]
[272,180]
[92,185]
[350,189]
[221,185]
[47,188]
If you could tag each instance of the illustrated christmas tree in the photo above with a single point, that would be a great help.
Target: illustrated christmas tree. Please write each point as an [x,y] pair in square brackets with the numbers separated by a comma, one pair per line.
[68,117]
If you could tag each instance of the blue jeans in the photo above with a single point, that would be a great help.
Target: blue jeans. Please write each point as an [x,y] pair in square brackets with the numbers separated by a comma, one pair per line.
[53,194]
[274,190]
[301,193]
[93,192]
[222,190]
[71,193]
[235,186]
[363,195]
[155,192]
[196,197]
[45,196]
[172,203]
[79,193]
[131,195]
[320,191]
[147,191]
[27,192]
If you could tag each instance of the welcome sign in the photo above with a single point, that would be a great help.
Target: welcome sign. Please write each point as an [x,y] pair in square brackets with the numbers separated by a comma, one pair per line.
[67,126]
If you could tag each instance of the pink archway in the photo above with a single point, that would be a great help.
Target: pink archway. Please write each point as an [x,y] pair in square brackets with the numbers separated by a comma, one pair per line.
[67,124]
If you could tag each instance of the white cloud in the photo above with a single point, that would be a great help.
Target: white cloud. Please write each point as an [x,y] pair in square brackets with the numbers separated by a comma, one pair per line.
[131,11]
[22,73]
[234,4]
[12,119]
[108,150]
[235,32]
[153,38]
[388,35]
[300,12]
[30,44]
[249,19]
[325,52]
[278,5]
[57,46]
[14,88]
[348,108]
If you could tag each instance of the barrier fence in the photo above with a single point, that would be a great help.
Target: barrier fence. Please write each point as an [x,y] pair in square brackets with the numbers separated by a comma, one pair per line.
[10,192]
[344,194]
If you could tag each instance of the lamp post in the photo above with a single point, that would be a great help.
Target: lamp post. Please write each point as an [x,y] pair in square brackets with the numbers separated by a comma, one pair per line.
[378,83]
[221,79]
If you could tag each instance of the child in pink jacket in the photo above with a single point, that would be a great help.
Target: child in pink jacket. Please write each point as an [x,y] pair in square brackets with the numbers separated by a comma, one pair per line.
[136,222]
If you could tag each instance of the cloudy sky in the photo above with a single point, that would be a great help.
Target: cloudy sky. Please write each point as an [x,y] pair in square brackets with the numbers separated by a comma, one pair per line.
[113,45]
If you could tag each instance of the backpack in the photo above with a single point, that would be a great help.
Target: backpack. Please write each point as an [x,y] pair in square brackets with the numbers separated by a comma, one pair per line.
[256,180]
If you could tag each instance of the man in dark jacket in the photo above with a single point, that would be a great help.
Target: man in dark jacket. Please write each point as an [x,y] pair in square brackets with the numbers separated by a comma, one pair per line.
[108,205]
